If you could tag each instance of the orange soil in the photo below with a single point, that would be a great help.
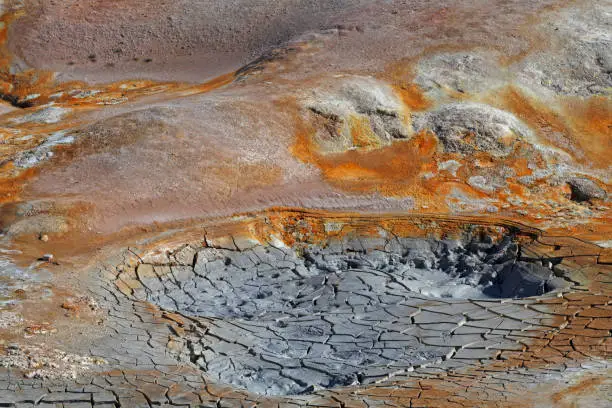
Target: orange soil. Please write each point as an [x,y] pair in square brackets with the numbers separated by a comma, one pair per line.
[10,185]
[591,120]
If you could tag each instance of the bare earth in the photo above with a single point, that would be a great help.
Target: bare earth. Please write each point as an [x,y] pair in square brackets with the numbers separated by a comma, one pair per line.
[305,203]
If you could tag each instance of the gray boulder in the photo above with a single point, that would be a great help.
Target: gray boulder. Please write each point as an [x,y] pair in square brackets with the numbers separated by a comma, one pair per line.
[362,103]
[468,127]
[584,189]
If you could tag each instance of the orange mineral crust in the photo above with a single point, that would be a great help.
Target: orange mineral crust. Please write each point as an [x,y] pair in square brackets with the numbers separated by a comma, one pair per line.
[393,170]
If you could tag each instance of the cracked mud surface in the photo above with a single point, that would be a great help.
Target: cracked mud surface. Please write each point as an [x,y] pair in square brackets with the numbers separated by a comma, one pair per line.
[287,313]
[280,322]
[351,204]
[272,282]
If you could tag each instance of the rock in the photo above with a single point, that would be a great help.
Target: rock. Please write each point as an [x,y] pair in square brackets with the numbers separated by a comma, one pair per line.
[469,127]
[360,112]
[584,189]
[47,258]
[44,237]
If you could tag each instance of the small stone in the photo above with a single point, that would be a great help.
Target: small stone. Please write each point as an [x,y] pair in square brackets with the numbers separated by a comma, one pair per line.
[584,189]
[20,293]
[47,258]
[44,237]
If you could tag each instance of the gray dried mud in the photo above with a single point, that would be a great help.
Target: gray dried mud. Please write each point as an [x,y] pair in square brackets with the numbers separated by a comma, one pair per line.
[284,321]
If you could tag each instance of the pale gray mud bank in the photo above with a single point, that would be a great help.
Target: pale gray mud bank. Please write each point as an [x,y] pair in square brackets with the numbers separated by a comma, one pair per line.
[277,320]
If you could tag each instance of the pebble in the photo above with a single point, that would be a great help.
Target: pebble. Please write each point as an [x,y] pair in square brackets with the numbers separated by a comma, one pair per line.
[47,258]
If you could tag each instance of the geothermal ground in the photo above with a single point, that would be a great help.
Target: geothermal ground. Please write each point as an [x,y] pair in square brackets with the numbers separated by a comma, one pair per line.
[334,203]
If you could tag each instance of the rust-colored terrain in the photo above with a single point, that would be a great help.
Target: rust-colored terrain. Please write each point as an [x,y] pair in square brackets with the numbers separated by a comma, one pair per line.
[296,203]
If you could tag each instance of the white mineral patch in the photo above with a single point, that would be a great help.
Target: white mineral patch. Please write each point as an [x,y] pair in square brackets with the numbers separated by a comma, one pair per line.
[450,165]
[48,115]
[44,151]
